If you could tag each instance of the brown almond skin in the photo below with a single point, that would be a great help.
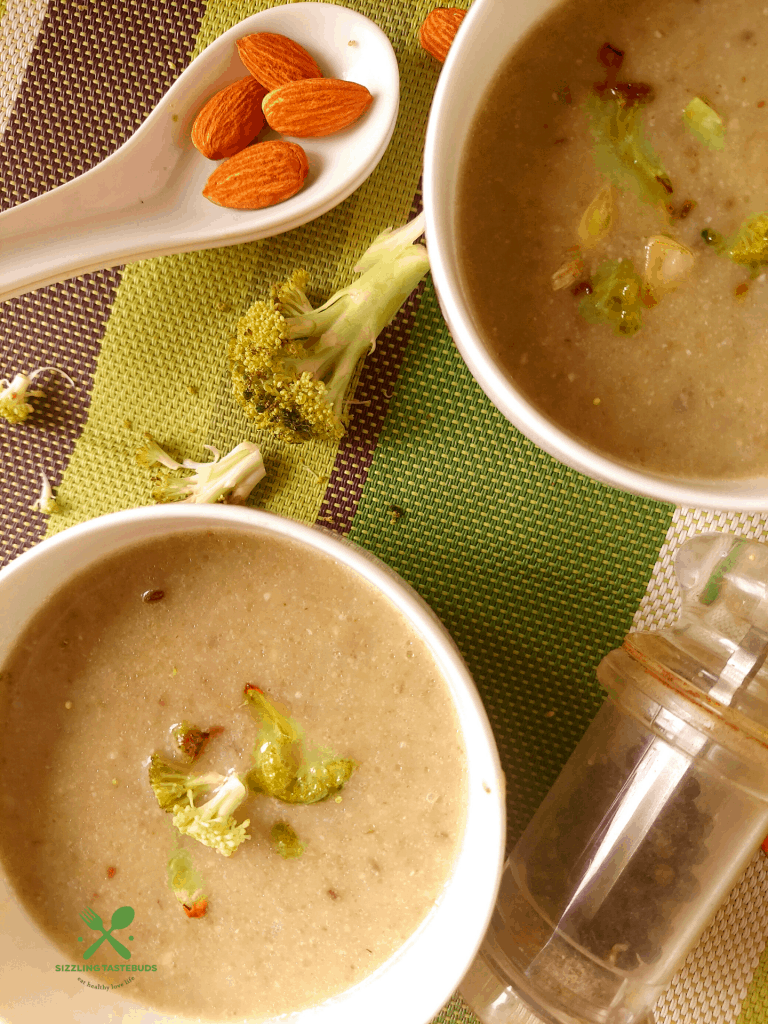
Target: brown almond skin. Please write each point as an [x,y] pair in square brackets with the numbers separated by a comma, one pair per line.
[315,107]
[274,60]
[258,176]
[439,30]
[230,120]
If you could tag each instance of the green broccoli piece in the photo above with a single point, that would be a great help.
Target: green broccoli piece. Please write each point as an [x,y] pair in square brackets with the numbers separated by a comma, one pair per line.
[749,246]
[187,884]
[616,297]
[46,502]
[212,823]
[282,767]
[189,739]
[15,406]
[171,784]
[285,840]
[229,479]
[705,123]
[622,151]
[292,365]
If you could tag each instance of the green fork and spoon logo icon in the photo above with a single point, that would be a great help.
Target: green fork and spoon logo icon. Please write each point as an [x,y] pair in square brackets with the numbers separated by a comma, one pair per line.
[121,918]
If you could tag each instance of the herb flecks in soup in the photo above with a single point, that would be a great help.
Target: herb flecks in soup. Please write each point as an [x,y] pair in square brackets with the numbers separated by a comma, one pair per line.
[321,893]
[613,226]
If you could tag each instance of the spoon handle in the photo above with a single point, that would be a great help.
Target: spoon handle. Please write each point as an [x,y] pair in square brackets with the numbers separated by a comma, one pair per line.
[95,221]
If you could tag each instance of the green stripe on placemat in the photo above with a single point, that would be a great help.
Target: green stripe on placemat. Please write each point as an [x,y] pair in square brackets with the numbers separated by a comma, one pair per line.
[754,1006]
[172,317]
[534,569]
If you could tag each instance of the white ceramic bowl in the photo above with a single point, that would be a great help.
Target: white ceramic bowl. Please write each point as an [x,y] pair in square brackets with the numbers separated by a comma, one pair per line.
[410,987]
[487,36]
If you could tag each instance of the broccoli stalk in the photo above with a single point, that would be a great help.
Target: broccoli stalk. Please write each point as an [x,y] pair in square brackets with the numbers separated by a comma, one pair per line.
[212,823]
[292,365]
[15,406]
[229,479]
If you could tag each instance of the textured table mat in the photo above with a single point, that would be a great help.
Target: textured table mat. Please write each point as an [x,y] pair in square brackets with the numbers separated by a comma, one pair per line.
[536,570]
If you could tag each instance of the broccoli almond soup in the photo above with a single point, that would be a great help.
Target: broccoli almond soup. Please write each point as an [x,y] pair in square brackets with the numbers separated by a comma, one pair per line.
[613,225]
[237,755]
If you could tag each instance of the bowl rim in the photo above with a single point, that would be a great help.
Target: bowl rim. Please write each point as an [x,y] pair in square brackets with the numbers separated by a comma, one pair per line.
[419,978]
[445,138]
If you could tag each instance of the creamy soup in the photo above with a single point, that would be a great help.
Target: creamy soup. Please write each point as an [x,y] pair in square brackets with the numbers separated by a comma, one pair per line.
[687,393]
[173,630]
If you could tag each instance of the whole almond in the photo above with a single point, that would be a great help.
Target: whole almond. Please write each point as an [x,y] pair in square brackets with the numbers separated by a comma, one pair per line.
[315,107]
[274,60]
[230,120]
[258,176]
[439,30]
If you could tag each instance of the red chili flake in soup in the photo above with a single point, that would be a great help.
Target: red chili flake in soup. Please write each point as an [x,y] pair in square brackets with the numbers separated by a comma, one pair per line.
[111,872]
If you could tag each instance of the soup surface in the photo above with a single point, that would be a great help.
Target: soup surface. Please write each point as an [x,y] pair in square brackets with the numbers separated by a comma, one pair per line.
[687,395]
[94,688]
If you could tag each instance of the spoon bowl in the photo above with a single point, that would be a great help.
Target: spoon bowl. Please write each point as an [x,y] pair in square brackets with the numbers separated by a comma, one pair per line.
[146,198]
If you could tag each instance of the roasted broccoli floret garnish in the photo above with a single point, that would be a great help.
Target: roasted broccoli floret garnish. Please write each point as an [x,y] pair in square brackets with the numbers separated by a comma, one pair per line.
[212,823]
[292,365]
[189,739]
[229,479]
[282,767]
[15,406]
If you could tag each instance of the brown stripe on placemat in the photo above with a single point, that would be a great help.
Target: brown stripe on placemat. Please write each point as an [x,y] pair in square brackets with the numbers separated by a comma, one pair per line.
[95,74]
[97,71]
[59,326]
[371,403]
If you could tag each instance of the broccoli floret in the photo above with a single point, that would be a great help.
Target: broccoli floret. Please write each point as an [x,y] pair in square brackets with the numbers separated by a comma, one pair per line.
[212,823]
[229,479]
[15,406]
[292,365]
[171,784]
[46,502]
[282,768]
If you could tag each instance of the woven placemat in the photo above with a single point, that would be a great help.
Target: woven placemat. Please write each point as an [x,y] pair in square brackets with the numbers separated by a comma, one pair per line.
[536,570]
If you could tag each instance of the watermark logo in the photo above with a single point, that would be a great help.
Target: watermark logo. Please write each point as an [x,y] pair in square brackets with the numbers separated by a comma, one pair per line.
[121,918]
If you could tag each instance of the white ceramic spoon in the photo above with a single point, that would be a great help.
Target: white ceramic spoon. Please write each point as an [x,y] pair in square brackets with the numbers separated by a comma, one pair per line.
[146,199]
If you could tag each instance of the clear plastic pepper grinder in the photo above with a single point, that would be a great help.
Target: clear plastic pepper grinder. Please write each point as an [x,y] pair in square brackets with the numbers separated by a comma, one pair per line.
[654,817]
